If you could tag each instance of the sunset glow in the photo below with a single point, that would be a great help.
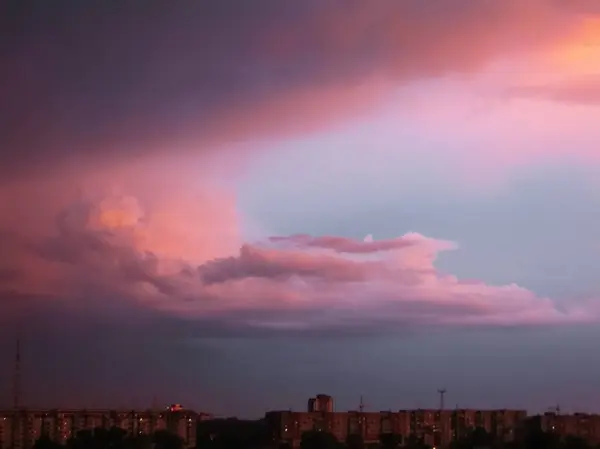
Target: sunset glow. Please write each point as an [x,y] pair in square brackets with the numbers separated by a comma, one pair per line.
[578,55]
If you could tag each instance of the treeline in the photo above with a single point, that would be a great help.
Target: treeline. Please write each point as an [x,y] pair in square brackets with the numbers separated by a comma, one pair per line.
[114,438]
[234,434]
[477,439]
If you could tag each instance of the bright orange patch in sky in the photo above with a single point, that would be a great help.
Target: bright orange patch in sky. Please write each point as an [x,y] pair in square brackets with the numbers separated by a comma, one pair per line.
[580,53]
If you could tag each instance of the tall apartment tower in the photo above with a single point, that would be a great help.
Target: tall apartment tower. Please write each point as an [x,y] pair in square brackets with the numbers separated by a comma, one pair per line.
[320,403]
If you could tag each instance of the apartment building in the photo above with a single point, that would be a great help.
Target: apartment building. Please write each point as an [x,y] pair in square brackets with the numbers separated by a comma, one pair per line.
[436,428]
[583,425]
[19,430]
[320,403]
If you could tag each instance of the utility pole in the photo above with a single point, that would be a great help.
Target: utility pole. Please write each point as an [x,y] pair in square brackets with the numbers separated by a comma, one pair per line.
[555,409]
[17,376]
[15,424]
[442,392]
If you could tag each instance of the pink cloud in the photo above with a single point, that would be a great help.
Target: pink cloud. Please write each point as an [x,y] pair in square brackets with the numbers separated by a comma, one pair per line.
[106,247]
[581,90]
[341,244]
[172,239]
[68,228]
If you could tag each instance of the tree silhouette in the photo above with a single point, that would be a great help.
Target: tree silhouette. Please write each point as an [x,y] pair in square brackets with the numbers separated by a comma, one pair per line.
[355,441]
[115,438]
[233,434]
[538,439]
[390,440]
[575,442]
[477,438]
[413,442]
[164,439]
[318,440]
[44,442]
[141,441]
[480,438]
[99,438]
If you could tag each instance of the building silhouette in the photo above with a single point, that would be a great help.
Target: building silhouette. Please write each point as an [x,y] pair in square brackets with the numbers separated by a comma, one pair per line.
[582,425]
[434,427]
[437,428]
[19,429]
[320,403]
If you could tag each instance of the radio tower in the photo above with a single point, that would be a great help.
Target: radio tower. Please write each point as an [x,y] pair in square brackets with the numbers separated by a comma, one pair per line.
[442,392]
[17,377]
[555,409]
[16,421]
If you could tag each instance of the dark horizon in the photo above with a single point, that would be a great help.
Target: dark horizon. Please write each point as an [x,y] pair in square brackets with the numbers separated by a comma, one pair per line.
[158,384]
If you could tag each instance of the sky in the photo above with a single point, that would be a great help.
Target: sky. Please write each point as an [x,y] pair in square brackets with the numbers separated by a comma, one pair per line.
[237,205]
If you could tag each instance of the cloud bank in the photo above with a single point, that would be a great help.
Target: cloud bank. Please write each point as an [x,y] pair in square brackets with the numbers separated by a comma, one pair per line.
[82,227]
[128,81]
[98,253]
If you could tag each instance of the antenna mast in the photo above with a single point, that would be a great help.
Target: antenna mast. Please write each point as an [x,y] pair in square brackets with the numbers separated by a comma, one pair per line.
[555,409]
[16,418]
[361,405]
[17,377]
[442,392]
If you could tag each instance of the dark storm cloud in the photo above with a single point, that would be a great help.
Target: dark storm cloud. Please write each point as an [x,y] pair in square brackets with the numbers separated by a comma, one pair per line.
[97,77]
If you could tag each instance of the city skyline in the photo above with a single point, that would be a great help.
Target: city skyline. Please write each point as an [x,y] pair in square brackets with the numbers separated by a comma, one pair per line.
[438,427]
[243,203]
